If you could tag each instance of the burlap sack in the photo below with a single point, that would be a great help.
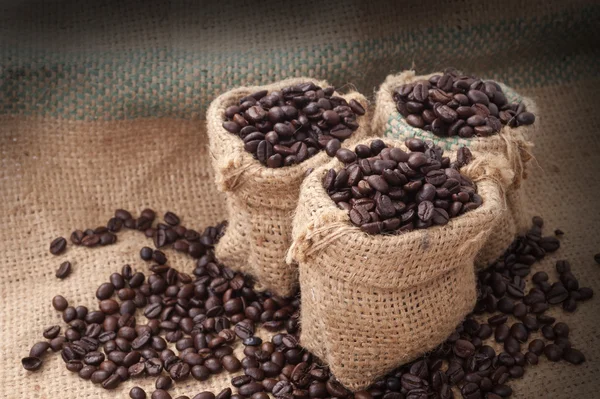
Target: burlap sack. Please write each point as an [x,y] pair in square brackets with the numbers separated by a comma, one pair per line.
[373,302]
[514,143]
[261,200]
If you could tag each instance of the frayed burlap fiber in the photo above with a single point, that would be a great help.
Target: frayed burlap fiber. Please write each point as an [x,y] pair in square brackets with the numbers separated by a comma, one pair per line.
[261,200]
[514,143]
[373,302]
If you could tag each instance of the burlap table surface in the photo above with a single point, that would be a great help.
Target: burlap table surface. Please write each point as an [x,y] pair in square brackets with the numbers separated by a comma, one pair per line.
[101,107]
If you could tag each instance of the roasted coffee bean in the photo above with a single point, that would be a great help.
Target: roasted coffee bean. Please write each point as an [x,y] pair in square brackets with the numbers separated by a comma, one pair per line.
[31,363]
[64,270]
[51,332]
[39,349]
[137,393]
[553,352]
[231,363]
[557,294]
[572,356]
[463,348]
[58,246]
[161,394]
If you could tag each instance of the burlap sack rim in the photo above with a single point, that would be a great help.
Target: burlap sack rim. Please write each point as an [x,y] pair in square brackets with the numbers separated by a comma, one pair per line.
[334,225]
[242,162]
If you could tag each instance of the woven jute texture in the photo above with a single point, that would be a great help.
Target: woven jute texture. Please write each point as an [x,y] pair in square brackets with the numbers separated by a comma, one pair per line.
[373,302]
[261,200]
[101,106]
[514,143]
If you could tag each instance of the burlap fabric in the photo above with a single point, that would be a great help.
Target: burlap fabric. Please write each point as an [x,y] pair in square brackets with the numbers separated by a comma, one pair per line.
[261,200]
[373,302]
[101,106]
[514,143]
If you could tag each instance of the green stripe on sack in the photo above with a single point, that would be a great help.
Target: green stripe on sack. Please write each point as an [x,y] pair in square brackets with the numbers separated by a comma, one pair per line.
[88,85]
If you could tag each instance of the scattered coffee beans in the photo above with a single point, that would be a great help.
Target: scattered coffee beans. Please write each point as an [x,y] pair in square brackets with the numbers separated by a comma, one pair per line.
[205,313]
[197,313]
[453,104]
[390,190]
[286,127]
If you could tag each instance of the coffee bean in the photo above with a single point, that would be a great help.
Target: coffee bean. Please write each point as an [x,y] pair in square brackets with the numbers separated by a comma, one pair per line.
[51,332]
[346,156]
[64,270]
[572,356]
[519,332]
[231,363]
[160,394]
[463,348]
[31,363]
[58,246]
[553,352]
[557,294]
[137,393]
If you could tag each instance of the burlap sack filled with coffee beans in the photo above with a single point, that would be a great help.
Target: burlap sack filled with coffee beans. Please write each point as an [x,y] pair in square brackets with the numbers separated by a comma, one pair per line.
[261,200]
[514,143]
[373,302]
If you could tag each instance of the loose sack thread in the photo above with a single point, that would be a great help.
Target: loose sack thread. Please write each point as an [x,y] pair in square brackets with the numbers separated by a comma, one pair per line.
[371,303]
[513,143]
[261,200]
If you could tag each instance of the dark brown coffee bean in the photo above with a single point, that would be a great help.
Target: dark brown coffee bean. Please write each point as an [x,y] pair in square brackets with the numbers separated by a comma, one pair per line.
[415,121]
[160,394]
[463,348]
[346,156]
[58,246]
[90,240]
[64,270]
[205,395]
[51,332]
[557,294]
[137,393]
[553,352]
[572,356]
[250,389]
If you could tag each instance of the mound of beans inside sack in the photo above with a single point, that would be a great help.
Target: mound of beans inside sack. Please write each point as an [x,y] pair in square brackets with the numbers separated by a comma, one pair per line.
[286,127]
[391,190]
[453,104]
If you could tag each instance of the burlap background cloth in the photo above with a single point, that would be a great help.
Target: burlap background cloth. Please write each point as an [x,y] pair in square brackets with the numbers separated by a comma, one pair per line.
[100,108]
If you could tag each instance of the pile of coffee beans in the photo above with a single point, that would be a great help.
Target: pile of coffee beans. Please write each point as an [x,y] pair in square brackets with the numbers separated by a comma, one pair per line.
[390,190]
[204,314]
[286,127]
[201,314]
[453,104]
